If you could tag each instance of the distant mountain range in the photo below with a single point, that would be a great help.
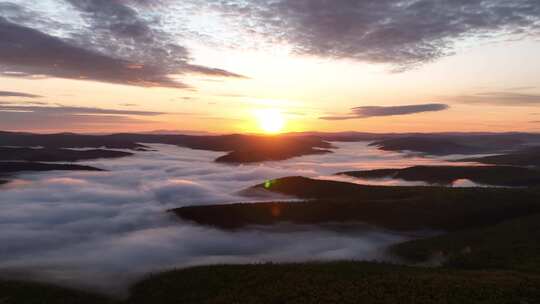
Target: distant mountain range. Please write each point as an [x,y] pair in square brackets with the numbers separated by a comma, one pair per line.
[244,148]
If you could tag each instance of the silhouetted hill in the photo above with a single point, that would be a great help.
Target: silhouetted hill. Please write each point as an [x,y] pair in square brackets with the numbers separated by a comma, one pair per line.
[254,148]
[511,245]
[241,148]
[11,167]
[303,187]
[446,144]
[7,169]
[57,155]
[445,175]
[435,146]
[401,208]
[65,140]
[525,157]
[490,137]
[279,151]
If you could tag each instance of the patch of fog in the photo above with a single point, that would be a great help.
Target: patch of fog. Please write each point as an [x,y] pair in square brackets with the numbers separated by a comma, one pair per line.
[448,157]
[374,181]
[111,260]
[361,156]
[105,229]
[467,183]
[460,183]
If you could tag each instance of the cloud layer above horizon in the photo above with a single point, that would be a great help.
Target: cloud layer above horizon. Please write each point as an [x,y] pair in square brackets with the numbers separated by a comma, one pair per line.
[17,94]
[402,33]
[112,44]
[506,98]
[144,43]
[14,116]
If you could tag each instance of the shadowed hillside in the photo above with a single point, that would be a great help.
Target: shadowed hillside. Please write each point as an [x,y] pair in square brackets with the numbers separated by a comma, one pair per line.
[15,292]
[65,140]
[460,143]
[525,157]
[511,245]
[400,208]
[7,169]
[240,148]
[446,175]
[12,167]
[57,155]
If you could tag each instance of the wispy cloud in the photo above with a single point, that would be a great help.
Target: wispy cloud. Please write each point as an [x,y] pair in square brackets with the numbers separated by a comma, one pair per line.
[524,88]
[76,110]
[376,111]
[499,98]
[17,117]
[17,94]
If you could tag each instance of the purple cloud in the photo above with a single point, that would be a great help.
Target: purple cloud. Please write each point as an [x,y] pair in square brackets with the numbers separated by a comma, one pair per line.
[376,111]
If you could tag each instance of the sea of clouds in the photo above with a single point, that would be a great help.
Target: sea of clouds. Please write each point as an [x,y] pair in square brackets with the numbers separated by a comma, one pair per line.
[104,230]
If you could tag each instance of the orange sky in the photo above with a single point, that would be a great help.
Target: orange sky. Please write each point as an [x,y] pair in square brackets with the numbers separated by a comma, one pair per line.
[487,85]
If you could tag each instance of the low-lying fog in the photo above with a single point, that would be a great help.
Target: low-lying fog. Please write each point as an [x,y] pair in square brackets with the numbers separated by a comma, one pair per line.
[106,229]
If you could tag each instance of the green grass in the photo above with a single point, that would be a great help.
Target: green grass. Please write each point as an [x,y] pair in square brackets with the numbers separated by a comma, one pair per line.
[340,282]
[336,282]
[333,282]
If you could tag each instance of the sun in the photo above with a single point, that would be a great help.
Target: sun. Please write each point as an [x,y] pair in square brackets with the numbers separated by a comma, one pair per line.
[271,121]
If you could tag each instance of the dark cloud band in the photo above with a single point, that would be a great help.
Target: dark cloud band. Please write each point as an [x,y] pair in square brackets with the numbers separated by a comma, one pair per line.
[115,45]
[15,117]
[403,33]
[17,94]
[499,98]
[376,111]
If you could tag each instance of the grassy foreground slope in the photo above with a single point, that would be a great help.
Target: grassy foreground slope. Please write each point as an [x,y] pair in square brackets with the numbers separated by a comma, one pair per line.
[339,282]
[336,282]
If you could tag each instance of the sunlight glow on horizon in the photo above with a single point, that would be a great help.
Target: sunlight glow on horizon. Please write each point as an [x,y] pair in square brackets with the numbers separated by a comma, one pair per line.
[271,121]
[490,83]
